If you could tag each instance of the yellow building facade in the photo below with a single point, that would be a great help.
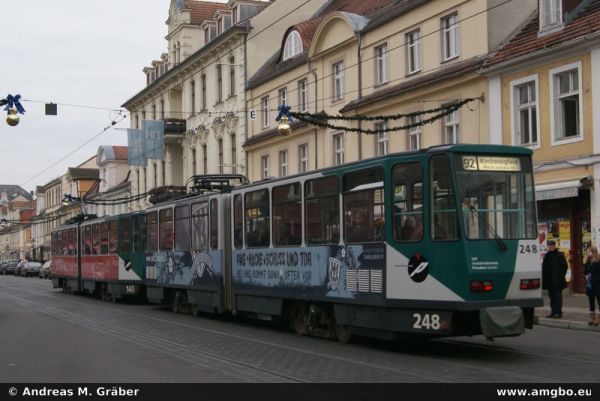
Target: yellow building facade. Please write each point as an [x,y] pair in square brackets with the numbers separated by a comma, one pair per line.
[543,81]
[380,60]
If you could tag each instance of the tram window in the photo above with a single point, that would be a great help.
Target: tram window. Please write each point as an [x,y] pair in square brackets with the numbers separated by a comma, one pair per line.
[112,236]
[443,206]
[95,239]
[165,224]
[124,243]
[214,224]
[364,206]
[238,225]
[88,240]
[152,228]
[182,228]
[408,202]
[322,211]
[257,214]
[138,233]
[104,238]
[287,215]
[200,227]
[64,242]
[72,241]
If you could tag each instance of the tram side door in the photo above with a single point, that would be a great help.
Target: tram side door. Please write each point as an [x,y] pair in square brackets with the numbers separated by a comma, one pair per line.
[226,235]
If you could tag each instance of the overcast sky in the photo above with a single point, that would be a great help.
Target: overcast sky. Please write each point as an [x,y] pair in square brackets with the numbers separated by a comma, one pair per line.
[79,52]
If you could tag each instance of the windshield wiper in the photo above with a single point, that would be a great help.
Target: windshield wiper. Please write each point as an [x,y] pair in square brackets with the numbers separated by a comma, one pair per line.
[501,244]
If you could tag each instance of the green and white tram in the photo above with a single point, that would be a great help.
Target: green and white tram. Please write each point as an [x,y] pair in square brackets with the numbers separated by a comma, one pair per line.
[437,242]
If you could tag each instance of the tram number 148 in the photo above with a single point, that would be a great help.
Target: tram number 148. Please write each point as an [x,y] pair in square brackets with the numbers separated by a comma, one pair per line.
[426,321]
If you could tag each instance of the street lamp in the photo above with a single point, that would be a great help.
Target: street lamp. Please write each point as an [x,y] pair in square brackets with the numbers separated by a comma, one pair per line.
[69,199]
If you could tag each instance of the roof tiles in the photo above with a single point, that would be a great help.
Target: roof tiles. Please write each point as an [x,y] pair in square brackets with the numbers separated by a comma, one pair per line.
[204,10]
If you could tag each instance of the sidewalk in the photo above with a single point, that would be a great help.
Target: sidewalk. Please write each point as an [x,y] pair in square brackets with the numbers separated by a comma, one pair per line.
[575,313]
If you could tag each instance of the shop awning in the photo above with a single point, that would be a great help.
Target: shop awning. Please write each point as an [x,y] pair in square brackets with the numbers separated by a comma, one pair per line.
[566,189]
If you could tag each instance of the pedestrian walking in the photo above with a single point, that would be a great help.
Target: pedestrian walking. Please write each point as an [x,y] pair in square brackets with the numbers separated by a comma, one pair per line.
[554,269]
[592,275]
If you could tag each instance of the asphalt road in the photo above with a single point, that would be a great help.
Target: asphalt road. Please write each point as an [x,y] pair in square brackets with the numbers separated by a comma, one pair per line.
[48,336]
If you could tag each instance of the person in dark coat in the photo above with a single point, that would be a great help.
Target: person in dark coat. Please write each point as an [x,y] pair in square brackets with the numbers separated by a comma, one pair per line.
[592,275]
[554,269]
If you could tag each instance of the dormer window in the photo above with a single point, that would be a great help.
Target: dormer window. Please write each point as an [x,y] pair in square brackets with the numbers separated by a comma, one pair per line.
[236,18]
[293,45]
[206,35]
[550,14]
[219,26]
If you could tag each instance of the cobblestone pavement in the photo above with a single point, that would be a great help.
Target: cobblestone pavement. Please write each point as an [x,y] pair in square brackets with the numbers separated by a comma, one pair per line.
[48,336]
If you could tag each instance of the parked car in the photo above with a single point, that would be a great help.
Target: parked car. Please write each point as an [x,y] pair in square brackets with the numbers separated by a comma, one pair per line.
[2,266]
[31,269]
[46,270]
[10,267]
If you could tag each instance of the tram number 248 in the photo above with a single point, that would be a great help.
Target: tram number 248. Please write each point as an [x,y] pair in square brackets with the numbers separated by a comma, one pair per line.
[426,321]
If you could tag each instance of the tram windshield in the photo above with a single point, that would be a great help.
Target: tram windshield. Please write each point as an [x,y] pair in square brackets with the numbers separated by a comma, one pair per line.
[496,195]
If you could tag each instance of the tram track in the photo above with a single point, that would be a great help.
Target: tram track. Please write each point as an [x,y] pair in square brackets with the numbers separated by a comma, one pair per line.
[277,349]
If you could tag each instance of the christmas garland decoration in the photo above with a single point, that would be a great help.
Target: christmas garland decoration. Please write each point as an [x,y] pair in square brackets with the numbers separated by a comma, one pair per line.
[322,119]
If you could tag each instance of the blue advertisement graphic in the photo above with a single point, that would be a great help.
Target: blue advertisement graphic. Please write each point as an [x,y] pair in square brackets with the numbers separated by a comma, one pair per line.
[185,269]
[331,271]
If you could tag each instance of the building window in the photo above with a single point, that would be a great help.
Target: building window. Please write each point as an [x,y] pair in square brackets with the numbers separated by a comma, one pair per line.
[293,45]
[206,35]
[154,112]
[193,96]
[450,36]
[236,18]
[338,149]
[219,83]
[219,26]
[566,100]
[524,96]
[303,158]
[381,64]
[204,159]
[232,77]
[233,154]
[220,143]
[282,96]
[382,139]
[283,163]
[414,132]
[413,52]
[550,13]
[264,164]
[303,96]
[193,162]
[265,111]
[203,83]
[338,81]
[162,109]
[451,128]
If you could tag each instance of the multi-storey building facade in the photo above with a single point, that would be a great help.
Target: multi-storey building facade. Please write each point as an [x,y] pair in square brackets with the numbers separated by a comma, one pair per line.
[16,209]
[108,195]
[198,87]
[376,58]
[542,84]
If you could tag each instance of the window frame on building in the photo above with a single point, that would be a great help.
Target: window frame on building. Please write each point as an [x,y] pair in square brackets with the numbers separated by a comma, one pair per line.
[451,123]
[556,118]
[337,76]
[450,36]
[283,163]
[293,45]
[264,103]
[338,148]
[382,64]
[517,107]
[282,96]
[303,163]
[414,132]
[413,51]
[382,139]
[264,167]
[303,95]
[550,14]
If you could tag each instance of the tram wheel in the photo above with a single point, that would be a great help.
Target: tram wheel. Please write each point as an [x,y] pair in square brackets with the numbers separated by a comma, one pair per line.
[342,334]
[298,321]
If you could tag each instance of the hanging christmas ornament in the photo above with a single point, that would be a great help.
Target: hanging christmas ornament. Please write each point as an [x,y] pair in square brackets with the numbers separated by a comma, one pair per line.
[13,106]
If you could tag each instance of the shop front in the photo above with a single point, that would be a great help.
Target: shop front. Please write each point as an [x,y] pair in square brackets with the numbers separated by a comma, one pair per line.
[564,216]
